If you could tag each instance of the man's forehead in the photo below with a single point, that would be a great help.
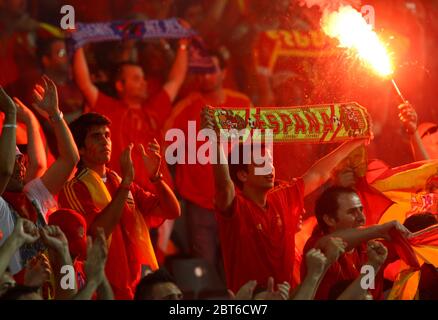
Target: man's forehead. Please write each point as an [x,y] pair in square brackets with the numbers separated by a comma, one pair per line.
[99,129]
[352,200]
[131,69]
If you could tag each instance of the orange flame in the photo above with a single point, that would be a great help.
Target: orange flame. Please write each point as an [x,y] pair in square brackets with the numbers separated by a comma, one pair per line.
[353,32]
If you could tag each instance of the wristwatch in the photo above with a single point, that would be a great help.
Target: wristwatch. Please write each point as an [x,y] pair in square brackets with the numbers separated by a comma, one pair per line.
[158,176]
[56,117]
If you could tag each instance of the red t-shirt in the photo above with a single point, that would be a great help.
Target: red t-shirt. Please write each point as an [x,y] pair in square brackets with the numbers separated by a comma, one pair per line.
[258,243]
[122,268]
[346,268]
[195,181]
[136,126]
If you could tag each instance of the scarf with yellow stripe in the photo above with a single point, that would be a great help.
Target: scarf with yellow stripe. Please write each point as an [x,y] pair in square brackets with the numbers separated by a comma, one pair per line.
[136,233]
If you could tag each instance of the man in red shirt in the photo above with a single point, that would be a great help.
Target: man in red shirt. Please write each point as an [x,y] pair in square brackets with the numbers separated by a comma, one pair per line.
[123,209]
[257,220]
[194,182]
[339,212]
[136,117]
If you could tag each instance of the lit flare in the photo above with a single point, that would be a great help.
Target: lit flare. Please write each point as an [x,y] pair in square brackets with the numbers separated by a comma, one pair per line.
[353,32]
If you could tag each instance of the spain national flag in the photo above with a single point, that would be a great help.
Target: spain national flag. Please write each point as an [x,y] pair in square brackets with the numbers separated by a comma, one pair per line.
[414,189]
[424,244]
[411,187]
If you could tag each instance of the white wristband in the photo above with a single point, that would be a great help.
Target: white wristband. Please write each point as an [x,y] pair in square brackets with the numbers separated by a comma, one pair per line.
[8,125]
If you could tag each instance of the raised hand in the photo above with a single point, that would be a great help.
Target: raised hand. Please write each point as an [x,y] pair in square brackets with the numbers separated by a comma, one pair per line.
[208,122]
[151,158]
[97,253]
[127,166]
[394,224]
[25,231]
[246,292]
[377,253]
[46,98]
[345,178]
[6,103]
[54,238]
[184,42]
[408,117]
[332,248]
[283,289]
[207,118]
[316,262]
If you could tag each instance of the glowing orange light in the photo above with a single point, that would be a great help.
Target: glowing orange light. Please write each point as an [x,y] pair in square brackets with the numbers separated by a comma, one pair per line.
[353,32]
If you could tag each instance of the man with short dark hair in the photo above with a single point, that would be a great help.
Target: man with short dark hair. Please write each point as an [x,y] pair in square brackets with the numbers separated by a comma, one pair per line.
[136,116]
[123,209]
[339,213]
[53,57]
[159,285]
[258,222]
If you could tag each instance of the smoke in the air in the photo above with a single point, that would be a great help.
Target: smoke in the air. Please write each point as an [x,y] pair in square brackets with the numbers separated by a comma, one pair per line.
[327,6]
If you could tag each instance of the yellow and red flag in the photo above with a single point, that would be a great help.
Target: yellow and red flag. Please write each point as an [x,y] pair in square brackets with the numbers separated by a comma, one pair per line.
[425,245]
[412,188]
[409,186]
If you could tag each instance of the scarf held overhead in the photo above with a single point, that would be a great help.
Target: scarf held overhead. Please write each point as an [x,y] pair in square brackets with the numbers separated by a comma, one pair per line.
[199,59]
[307,124]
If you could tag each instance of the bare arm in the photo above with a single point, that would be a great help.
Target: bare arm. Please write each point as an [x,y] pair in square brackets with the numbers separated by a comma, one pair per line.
[178,71]
[418,149]
[35,146]
[97,253]
[82,77]
[24,232]
[409,118]
[266,96]
[110,216]
[7,139]
[168,206]
[317,263]
[60,171]
[320,172]
[224,186]
[225,192]
[7,250]
[87,291]
[104,291]
[355,236]
[59,256]
[317,266]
